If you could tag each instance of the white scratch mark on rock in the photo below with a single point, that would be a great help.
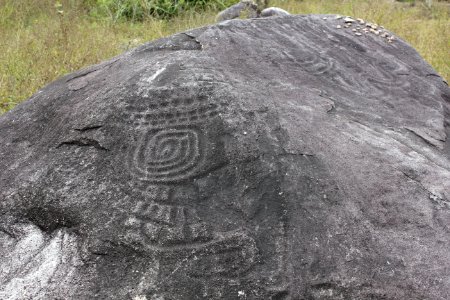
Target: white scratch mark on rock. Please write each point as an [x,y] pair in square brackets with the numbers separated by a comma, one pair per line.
[153,77]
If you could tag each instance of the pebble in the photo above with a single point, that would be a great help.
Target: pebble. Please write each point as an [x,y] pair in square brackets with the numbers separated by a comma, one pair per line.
[369,27]
[348,20]
[324,18]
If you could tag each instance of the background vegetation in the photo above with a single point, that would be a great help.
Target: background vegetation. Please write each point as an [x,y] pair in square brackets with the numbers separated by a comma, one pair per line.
[42,40]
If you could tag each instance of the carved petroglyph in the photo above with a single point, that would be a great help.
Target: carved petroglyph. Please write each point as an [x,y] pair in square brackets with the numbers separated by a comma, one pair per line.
[316,64]
[387,78]
[178,229]
[176,111]
[172,145]
[170,150]
[159,224]
[375,78]
[172,116]
[169,106]
[168,225]
[229,255]
[158,193]
[313,63]
[167,155]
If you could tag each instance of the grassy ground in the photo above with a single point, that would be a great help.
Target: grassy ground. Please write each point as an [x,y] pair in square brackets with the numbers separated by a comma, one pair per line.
[38,44]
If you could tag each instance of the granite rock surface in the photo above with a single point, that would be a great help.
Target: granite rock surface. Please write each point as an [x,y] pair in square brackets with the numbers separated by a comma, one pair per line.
[278,158]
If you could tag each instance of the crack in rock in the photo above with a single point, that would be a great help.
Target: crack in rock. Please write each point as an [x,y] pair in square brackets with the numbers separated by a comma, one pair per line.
[84,142]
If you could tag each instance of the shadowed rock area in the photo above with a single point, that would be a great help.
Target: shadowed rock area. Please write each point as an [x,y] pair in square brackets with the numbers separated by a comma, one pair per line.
[278,158]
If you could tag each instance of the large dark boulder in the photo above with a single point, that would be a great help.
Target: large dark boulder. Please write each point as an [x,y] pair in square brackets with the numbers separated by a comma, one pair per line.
[274,158]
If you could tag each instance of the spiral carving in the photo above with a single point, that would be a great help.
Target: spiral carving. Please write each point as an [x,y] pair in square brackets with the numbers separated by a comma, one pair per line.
[167,155]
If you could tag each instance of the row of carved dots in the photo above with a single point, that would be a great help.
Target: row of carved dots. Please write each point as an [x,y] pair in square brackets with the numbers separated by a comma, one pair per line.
[177,121]
[167,114]
[177,102]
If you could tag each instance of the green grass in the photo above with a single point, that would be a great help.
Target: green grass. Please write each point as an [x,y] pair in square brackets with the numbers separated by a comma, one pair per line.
[39,44]
[139,10]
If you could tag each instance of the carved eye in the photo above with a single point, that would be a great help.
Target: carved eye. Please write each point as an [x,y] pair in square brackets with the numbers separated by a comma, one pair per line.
[167,155]
[166,150]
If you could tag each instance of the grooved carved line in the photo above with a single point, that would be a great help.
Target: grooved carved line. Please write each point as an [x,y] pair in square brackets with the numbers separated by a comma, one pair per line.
[382,80]
[167,155]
